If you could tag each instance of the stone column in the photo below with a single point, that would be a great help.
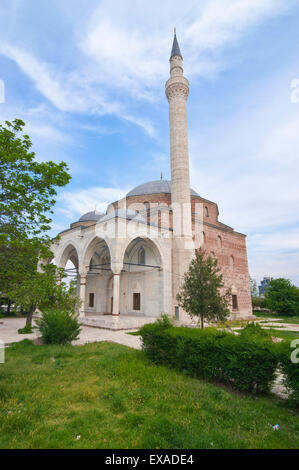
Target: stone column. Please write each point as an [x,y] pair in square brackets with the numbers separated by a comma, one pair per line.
[116,267]
[116,286]
[82,294]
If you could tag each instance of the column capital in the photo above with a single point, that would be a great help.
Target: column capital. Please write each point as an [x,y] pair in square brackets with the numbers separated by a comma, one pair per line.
[116,267]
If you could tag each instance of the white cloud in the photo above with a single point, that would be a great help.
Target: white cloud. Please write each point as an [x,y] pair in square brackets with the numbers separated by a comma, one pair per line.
[45,79]
[275,254]
[124,46]
[43,127]
[249,165]
[76,203]
[222,22]
[70,92]
[129,43]
[47,132]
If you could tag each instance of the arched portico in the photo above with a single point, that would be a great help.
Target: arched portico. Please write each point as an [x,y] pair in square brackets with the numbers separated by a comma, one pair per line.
[142,279]
[96,271]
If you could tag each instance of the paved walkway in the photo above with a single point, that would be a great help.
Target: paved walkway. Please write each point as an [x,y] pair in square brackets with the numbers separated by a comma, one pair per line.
[280,326]
[9,334]
[9,330]
[90,335]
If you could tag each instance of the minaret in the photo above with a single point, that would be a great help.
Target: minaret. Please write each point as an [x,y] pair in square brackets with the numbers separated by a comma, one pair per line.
[177,90]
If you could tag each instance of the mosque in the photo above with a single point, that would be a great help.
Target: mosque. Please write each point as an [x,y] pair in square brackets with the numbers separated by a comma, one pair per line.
[130,262]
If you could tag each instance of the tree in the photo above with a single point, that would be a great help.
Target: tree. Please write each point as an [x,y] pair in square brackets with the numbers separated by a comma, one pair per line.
[44,289]
[282,297]
[258,302]
[27,195]
[27,187]
[200,295]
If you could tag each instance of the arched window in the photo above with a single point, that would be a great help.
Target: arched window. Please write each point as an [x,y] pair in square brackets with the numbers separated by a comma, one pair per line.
[212,254]
[231,262]
[141,256]
[206,211]
[146,205]
[219,241]
[203,237]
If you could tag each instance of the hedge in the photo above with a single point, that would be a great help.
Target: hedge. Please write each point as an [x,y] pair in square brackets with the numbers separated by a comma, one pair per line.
[290,370]
[245,363]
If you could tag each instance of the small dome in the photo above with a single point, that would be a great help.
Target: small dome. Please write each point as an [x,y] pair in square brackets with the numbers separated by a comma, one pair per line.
[155,187]
[128,214]
[92,216]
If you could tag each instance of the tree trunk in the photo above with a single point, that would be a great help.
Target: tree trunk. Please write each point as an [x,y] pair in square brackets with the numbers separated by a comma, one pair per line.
[30,315]
[8,307]
[201,321]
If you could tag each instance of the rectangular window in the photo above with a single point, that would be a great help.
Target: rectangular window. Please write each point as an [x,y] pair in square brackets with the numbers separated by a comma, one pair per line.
[235,302]
[91,300]
[136,301]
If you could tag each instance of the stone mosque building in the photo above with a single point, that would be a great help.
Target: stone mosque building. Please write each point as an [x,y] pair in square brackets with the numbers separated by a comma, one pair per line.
[130,262]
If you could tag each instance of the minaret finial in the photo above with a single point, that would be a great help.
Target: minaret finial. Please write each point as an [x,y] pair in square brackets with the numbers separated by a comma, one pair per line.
[175,47]
[161,175]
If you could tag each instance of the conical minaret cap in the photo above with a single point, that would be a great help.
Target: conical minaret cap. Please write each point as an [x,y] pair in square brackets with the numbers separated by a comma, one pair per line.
[175,47]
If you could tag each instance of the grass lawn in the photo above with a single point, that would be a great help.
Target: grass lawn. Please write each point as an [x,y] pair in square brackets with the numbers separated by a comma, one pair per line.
[234,323]
[114,397]
[283,334]
[280,318]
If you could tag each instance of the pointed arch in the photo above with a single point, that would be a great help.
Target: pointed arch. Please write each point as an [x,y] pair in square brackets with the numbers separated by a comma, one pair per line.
[96,252]
[68,252]
[142,278]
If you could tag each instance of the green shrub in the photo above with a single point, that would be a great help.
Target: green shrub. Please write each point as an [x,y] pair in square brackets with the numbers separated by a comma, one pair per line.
[290,370]
[246,364]
[164,322]
[255,331]
[26,330]
[258,302]
[58,327]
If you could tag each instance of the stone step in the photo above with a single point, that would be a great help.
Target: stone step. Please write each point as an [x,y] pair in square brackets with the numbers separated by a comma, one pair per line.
[117,323]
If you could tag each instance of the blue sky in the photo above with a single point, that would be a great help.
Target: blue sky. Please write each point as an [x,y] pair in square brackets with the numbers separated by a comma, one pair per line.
[88,79]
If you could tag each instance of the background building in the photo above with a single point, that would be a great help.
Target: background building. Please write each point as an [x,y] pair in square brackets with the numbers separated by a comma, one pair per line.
[264,286]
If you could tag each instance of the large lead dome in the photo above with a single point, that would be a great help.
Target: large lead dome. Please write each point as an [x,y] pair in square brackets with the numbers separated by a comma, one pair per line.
[155,187]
